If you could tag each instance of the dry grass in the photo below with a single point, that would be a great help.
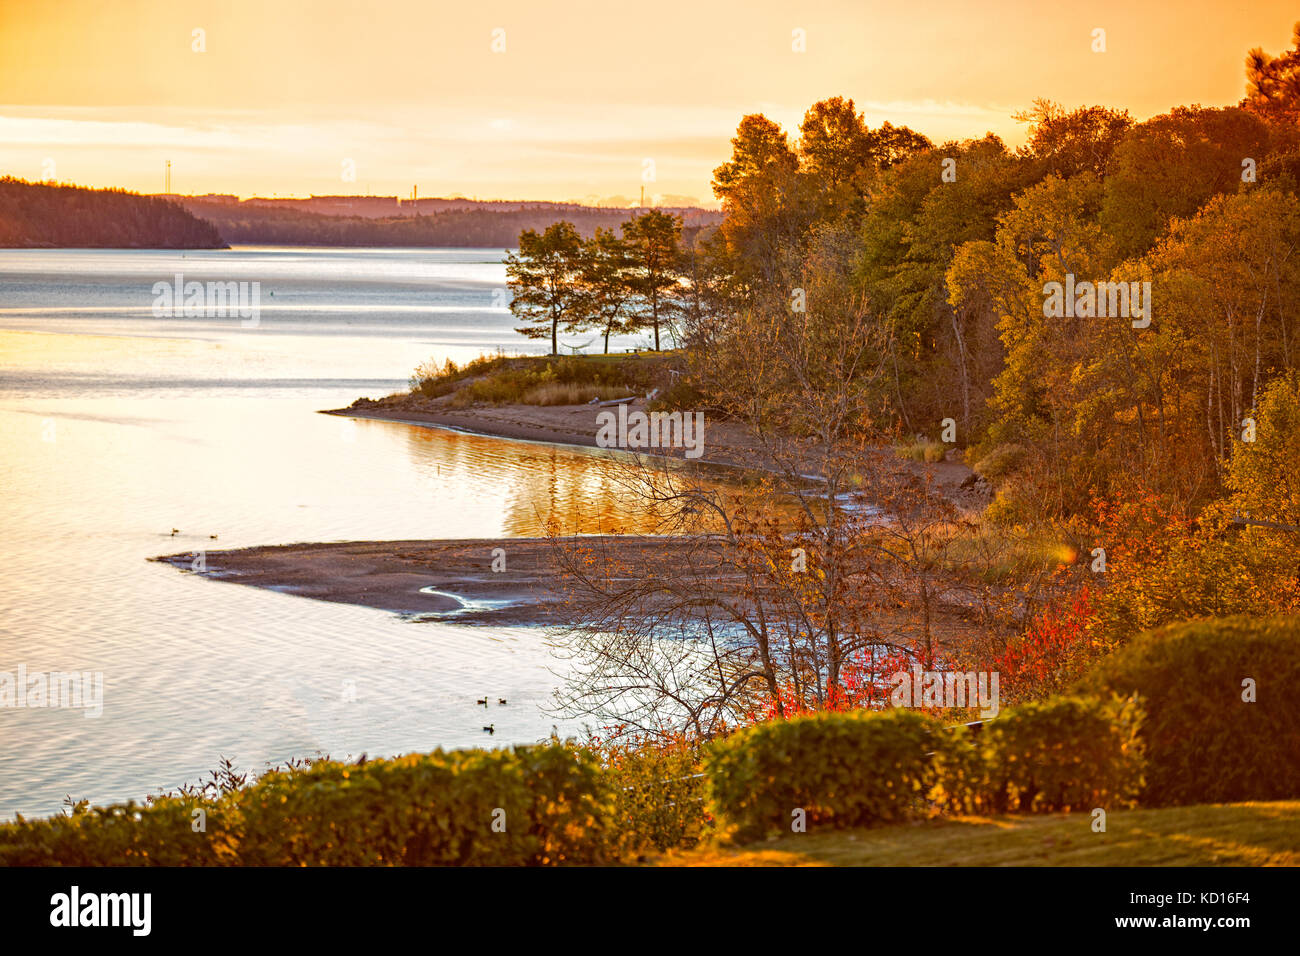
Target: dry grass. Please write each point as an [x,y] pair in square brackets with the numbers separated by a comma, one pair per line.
[570,393]
[930,451]
[1238,834]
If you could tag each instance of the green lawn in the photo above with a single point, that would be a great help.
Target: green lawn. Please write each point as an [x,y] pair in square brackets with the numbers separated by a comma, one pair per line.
[1239,834]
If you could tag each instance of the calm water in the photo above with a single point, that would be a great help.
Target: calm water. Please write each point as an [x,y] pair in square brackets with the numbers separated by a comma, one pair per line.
[116,426]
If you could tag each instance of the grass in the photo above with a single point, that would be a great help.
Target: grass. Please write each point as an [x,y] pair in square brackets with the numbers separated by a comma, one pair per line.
[541,380]
[927,450]
[571,393]
[1000,555]
[1000,462]
[1238,834]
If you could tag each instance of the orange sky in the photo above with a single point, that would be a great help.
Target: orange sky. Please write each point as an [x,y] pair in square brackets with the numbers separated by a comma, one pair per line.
[411,92]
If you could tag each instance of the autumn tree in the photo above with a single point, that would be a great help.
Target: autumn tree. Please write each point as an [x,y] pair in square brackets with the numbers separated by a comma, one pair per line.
[1230,277]
[1050,231]
[1171,165]
[651,275]
[543,278]
[1074,141]
[836,156]
[834,143]
[606,289]
[767,202]
[922,210]
[1273,83]
[839,154]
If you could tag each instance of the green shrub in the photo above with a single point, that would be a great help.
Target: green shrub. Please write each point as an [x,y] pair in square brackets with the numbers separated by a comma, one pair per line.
[1204,743]
[1064,753]
[843,770]
[431,380]
[161,833]
[1001,461]
[529,806]
[549,805]
[961,771]
[659,794]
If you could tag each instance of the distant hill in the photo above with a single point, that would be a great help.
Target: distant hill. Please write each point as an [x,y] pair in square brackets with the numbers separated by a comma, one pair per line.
[38,215]
[392,207]
[491,225]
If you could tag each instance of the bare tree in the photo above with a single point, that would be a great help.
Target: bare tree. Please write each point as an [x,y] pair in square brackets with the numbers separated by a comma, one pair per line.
[800,589]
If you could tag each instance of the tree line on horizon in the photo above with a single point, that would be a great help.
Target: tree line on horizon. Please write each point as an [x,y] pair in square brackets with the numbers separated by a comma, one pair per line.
[46,215]
[483,228]
[62,215]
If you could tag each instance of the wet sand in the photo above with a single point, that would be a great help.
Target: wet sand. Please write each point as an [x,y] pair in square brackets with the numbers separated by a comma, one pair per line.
[397,576]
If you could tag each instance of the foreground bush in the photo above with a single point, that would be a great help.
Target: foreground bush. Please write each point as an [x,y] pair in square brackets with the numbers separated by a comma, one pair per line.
[658,794]
[161,833]
[860,768]
[843,770]
[539,805]
[1065,753]
[1204,742]
[598,803]
[530,806]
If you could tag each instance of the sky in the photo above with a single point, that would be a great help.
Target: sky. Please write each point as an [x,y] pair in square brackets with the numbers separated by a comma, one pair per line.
[560,100]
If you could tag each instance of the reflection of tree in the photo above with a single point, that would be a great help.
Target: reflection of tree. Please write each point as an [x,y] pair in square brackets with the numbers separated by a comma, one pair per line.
[534,483]
[575,490]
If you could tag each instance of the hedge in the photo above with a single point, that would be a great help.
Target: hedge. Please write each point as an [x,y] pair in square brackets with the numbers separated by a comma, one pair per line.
[532,805]
[659,794]
[555,804]
[161,833]
[841,769]
[1064,753]
[863,768]
[1204,742]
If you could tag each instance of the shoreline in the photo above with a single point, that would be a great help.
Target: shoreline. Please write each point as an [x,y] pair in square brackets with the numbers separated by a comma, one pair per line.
[453,580]
[727,445]
[572,425]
